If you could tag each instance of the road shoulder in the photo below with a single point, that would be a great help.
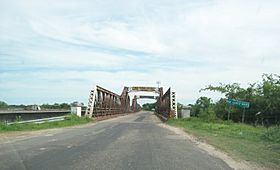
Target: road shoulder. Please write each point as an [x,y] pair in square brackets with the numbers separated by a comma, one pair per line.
[235,164]
[14,136]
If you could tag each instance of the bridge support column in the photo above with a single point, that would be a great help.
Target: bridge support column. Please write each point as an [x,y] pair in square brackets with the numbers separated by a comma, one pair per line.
[91,102]
[173,105]
[102,102]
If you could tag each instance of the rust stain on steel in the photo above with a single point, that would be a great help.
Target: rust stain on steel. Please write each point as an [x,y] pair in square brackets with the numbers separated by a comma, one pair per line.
[103,102]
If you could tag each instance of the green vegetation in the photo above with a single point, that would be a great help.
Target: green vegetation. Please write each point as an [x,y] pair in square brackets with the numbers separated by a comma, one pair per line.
[264,98]
[3,105]
[69,120]
[217,123]
[148,106]
[55,106]
[253,143]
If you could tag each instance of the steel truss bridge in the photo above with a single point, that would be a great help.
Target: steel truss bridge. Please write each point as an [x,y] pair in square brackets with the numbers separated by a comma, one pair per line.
[105,102]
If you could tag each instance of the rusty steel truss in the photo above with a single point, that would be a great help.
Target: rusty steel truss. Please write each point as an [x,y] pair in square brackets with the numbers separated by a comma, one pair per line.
[104,102]
[166,104]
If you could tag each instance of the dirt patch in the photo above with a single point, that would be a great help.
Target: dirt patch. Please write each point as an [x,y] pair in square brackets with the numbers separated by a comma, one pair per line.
[235,164]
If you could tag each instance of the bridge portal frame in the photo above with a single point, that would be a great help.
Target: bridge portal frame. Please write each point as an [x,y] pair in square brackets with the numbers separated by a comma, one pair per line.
[104,102]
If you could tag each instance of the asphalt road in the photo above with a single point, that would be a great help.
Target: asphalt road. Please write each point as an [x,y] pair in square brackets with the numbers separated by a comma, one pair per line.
[131,142]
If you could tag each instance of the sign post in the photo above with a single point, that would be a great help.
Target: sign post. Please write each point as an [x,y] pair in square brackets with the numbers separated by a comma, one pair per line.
[243,115]
[228,115]
[238,103]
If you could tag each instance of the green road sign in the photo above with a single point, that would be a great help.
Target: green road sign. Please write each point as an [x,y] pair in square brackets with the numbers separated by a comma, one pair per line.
[238,103]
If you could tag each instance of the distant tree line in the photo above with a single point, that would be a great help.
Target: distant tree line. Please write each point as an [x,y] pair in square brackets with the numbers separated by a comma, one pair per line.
[65,106]
[152,106]
[58,106]
[148,106]
[264,98]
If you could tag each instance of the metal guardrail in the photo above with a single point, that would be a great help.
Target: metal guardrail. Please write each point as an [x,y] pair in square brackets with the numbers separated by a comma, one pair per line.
[26,115]
[52,119]
[32,111]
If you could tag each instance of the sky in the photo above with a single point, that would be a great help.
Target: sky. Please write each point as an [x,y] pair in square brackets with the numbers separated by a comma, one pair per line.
[56,51]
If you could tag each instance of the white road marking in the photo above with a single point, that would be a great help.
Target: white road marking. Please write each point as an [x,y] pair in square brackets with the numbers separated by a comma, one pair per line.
[20,137]
[42,149]
[52,140]
[49,135]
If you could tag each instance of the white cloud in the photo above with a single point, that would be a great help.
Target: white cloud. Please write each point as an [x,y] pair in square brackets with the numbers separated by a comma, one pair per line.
[197,43]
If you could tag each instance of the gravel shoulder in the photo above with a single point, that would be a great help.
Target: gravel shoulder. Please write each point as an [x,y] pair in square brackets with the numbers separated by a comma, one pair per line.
[233,163]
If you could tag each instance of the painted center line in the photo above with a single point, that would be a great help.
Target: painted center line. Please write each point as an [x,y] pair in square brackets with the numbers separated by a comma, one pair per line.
[52,140]
[49,135]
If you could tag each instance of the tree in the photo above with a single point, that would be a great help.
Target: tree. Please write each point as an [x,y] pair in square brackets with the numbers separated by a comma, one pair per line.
[148,106]
[3,105]
[200,104]
[65,106]
[269,98]
[204,109]
[264,98]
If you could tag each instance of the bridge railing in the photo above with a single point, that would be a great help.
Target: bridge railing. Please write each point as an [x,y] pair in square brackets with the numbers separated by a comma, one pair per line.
[166,105]
[104,102]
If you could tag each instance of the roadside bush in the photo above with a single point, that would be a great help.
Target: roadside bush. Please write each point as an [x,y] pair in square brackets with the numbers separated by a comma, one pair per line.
[207,114]
[272,134]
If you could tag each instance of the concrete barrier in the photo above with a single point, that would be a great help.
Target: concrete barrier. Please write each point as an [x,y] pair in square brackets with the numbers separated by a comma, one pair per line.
[52,119]
[11,116]
[77,111]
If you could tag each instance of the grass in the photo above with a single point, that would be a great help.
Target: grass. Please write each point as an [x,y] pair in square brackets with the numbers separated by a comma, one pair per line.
[69,120]
[256,144]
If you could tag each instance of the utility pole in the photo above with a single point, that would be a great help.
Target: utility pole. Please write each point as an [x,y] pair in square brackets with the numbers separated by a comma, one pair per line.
[158,85]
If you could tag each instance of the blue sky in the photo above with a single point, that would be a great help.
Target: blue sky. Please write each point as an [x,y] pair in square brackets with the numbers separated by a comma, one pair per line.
[55,51]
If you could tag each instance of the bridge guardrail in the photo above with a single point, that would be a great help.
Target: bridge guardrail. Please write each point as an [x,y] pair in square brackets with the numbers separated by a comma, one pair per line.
[52,119]
[25,115]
